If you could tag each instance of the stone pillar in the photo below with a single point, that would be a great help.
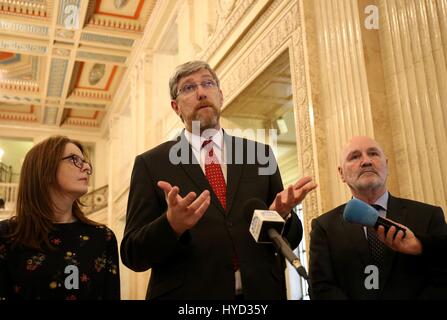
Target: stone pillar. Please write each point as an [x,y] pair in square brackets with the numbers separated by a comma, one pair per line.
[413,38]
[339,88]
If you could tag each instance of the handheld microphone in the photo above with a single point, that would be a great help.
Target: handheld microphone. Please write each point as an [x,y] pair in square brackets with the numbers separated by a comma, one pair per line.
[266,227]
[357,211]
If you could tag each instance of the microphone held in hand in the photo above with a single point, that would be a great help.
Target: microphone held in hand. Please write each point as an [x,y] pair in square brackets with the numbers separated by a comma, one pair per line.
[357,211]
[266,227]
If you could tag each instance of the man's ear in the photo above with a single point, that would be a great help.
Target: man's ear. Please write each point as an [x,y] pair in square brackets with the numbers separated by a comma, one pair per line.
[340,171]
[221,97]
[174,106]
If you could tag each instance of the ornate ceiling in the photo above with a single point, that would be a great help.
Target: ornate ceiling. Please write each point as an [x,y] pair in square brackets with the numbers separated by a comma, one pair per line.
[61,61]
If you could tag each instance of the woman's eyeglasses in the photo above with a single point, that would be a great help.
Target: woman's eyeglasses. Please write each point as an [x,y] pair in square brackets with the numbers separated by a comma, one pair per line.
[78,162]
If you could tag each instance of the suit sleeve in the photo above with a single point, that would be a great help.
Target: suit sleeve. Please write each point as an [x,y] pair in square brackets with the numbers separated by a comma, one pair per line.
[293,230]
[437,271]
[434,248]
[148,237]
[322,285]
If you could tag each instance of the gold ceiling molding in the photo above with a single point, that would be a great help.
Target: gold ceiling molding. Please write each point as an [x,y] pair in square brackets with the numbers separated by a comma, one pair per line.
[33,8]
[83,93]
[81,122]
[25,86]
[18,117]
[116,24]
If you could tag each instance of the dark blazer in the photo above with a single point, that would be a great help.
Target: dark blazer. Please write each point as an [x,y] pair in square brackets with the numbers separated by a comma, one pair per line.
[339,253]
[434,248]
[199,264]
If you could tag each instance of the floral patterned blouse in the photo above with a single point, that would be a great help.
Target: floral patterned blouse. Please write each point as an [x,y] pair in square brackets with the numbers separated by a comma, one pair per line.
[84,265]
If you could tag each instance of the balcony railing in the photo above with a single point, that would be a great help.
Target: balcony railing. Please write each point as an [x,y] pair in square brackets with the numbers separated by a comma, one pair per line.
[5,173]
[8,195]
[95,200]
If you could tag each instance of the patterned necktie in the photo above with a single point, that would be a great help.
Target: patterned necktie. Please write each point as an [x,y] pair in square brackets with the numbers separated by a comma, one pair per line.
[213,172]
[375,245]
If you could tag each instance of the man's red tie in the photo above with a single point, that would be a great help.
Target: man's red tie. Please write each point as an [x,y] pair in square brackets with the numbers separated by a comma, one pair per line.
[213,172]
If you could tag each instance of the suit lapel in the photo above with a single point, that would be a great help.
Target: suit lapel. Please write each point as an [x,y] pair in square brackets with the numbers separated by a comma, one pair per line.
[395,211]
[194,172]
[357,236]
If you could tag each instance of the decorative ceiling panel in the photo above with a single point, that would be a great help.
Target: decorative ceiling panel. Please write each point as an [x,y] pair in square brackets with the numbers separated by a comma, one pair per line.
[18,112]
[120,8]
[9,57]
[61,61]
[19,67]
[96,76]
[85,118]
[131,15]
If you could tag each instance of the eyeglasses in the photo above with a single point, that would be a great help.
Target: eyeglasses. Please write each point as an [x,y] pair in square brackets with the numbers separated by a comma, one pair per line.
[189,88]
[78,162]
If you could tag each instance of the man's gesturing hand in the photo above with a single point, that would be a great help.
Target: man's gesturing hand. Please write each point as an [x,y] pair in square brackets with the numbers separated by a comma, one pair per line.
[183,213]
[289,198]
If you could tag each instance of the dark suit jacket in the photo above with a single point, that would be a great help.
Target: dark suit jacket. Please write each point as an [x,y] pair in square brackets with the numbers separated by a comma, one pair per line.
[199,264]
[339,253]
[434,248]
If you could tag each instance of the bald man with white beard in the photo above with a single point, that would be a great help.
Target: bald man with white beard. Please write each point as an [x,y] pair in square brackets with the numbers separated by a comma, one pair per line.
[344,257]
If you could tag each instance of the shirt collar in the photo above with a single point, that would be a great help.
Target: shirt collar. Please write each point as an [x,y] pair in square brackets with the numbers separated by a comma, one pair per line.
[196,141]
[382,201]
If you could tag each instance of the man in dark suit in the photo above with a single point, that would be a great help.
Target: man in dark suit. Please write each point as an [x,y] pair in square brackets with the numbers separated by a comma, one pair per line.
[347,261]
[185,216]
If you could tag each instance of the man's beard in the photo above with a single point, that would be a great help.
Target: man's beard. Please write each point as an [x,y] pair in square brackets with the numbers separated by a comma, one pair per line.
[208,121]
[371,184]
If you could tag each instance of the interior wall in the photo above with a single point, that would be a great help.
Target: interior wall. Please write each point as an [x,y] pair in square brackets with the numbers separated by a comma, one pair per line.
[14,154]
